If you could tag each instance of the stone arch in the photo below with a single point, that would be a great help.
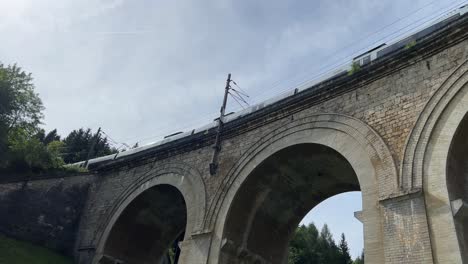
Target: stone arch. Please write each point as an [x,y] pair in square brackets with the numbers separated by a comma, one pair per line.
[417,142]
[178,177]
[365,151]
[426,159]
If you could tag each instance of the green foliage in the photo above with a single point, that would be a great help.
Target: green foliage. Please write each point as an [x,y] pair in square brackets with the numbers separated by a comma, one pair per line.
[310,247]
[28,153]
[171,255]
[24,146]
[20,114]
[74,169]
[345,257]
[19,252]
[6,108]
[24,107]
[79,142]
[46,139]
[54,149]
[355,67]
[360,259]
[304,246]
[411,44]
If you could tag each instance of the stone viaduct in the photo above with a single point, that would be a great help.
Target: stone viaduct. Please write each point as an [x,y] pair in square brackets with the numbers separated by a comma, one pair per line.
[397,130]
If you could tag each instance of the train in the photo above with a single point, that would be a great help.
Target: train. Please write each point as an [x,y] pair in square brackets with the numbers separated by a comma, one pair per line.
[361,60]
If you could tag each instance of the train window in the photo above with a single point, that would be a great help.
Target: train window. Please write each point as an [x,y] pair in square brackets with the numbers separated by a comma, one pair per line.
[366,60]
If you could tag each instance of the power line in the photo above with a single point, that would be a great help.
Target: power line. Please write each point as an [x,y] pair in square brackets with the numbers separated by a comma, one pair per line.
[276,84]
[344,47]
[233,97]
[245,93]
[115,142]
[346,59]
[335,65]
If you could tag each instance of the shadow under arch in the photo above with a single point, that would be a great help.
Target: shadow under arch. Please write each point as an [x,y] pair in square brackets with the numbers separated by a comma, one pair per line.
[457,184]
[178,212]
[361,155]
[276,196]
[147,227]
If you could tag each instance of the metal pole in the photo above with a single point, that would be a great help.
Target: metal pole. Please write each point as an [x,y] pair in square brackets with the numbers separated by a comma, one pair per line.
[91,148]
[217,145]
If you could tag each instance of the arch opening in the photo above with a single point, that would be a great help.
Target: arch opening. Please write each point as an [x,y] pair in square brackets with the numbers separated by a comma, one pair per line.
[148,229]
[342,215]
[276,196]
[457,183]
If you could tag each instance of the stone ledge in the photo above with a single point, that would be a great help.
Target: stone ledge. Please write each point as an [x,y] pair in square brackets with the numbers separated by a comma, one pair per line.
[402,195]
[201,233]
[358,215]
[459,208]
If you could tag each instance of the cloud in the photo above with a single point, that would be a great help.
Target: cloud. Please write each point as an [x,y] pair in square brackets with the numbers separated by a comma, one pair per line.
[143,69]
[161,65]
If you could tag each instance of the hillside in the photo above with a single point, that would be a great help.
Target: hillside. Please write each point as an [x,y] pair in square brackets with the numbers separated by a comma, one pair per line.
[18,252]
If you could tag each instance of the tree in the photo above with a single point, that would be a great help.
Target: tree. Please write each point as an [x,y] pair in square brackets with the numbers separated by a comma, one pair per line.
[303,246]
[345,257]
[78,144]
[6,107]
[29,154]
[308,246]
[20,114]
[24,146]
[46,139]
[329,252]
[24,107]
[359,260]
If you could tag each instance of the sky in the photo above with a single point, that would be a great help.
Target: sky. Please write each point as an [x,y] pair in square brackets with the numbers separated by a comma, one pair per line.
[144,69]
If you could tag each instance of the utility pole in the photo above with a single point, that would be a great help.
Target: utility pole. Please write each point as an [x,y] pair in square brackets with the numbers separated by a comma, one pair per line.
[217,145]
[91,147]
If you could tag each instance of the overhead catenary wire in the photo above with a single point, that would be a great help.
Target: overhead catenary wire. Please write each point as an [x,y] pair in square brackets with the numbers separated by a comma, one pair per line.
[239,88]
[277,90]
[239,93]
[238,96]
[267,91]
[235,99]
[344,47]
[336,65]
[116,142]
[188,124]
[239,100]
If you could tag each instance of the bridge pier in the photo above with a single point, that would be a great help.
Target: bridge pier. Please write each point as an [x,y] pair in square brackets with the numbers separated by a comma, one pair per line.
[196,248]
[389,131]
[406,231]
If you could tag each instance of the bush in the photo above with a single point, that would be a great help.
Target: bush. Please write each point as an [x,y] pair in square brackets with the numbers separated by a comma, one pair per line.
[355,67]
[28,154]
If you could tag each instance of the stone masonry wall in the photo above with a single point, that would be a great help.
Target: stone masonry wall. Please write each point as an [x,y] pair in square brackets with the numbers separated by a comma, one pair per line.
[390,105]
[45,212]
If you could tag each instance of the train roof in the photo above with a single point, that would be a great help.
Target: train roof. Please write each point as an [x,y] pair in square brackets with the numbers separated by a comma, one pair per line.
[228,118]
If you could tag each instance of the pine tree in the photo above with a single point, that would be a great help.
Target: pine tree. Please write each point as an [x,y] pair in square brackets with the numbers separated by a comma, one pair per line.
[359,260]
[78,144]
[345,257]
[303,247]
[308,246]
[327,249]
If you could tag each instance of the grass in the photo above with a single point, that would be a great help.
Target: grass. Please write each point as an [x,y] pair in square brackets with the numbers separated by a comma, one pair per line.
[18,252]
